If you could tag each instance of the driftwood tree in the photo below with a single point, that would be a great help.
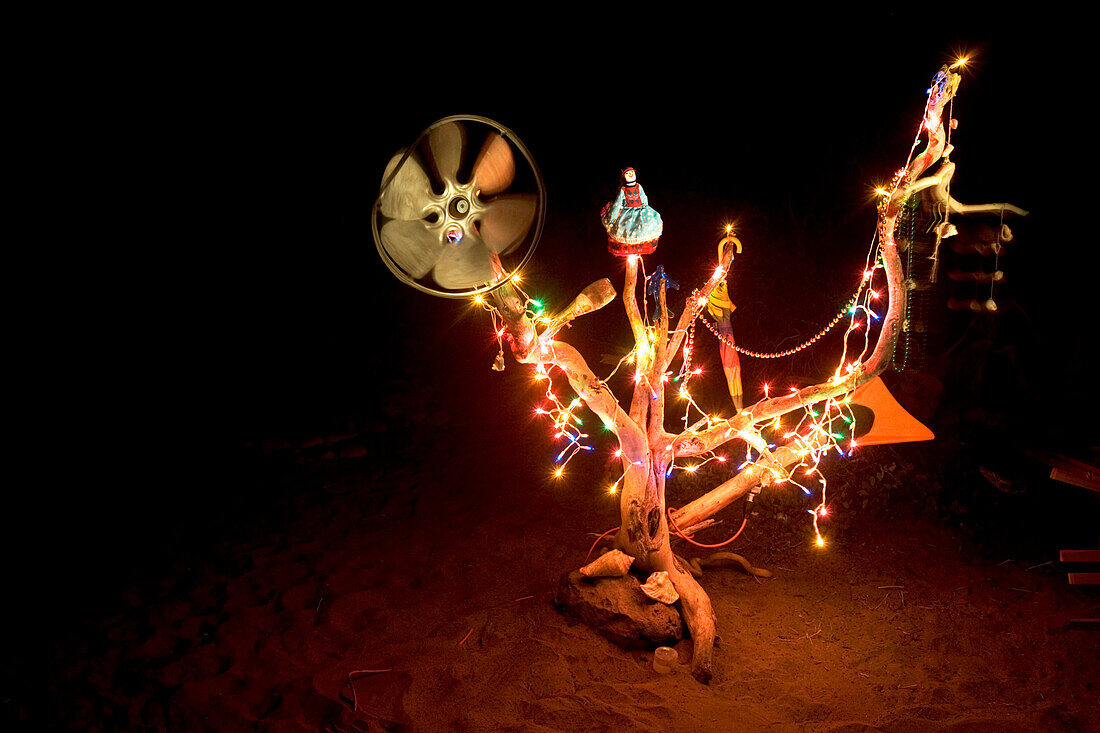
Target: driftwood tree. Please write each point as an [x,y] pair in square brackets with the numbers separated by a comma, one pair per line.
[649,450]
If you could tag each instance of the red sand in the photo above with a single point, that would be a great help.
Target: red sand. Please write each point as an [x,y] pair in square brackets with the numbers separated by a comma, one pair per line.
[440,574]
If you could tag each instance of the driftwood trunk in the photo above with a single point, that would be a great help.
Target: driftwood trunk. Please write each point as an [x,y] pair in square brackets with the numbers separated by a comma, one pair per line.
[648,449]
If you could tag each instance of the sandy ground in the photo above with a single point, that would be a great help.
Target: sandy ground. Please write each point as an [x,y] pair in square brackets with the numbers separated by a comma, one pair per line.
[372,586]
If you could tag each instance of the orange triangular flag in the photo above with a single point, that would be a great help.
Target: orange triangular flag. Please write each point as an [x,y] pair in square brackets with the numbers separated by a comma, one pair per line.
[882,420]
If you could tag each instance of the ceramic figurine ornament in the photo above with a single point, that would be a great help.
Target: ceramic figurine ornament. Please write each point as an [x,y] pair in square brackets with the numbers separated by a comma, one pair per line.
[633,228]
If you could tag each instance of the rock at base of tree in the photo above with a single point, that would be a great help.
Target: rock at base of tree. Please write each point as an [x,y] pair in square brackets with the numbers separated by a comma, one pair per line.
[617,609]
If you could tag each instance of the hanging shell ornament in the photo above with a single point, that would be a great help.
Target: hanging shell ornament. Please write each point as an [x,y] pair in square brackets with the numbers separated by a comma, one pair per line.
[659,587]
[613,564]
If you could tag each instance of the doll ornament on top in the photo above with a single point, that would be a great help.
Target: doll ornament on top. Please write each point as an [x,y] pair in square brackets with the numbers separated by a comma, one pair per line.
[632,226]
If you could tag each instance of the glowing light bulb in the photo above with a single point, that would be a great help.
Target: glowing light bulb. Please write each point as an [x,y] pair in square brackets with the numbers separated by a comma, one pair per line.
[478,299]
[557,472]
[820,541]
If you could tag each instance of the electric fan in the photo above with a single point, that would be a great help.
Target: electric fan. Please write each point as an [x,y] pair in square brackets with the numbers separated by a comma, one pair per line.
[455,215]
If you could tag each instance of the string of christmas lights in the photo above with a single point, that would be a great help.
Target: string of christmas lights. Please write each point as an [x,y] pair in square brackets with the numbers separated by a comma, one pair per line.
[824,428]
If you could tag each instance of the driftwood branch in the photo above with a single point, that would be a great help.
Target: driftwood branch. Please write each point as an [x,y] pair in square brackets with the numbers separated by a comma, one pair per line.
[693,307]
[691,444]
[940,183]
[648,450]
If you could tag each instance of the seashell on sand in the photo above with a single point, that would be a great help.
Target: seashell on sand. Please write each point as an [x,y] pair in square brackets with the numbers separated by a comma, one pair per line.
[613,564]
[659,587]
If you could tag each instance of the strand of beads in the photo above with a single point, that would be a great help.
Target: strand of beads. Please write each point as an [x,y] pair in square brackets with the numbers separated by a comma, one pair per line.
[788,352]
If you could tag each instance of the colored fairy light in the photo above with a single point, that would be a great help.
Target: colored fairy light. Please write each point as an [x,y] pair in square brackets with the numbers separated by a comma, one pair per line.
[820,428]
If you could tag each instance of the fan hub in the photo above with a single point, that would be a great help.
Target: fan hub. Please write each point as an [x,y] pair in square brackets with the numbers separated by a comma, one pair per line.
[459,207]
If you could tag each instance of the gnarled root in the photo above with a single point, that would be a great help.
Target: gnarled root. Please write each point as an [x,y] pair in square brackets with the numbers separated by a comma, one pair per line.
[700,619]
[695,565]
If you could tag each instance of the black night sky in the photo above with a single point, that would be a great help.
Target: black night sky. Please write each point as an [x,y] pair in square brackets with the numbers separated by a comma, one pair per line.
[782,130]
[261,311]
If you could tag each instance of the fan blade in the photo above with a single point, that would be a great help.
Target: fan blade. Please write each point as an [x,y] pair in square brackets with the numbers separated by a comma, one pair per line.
[409,193]
[413,246]
[464,265]
[495,167]
[506,221]
[447,143]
